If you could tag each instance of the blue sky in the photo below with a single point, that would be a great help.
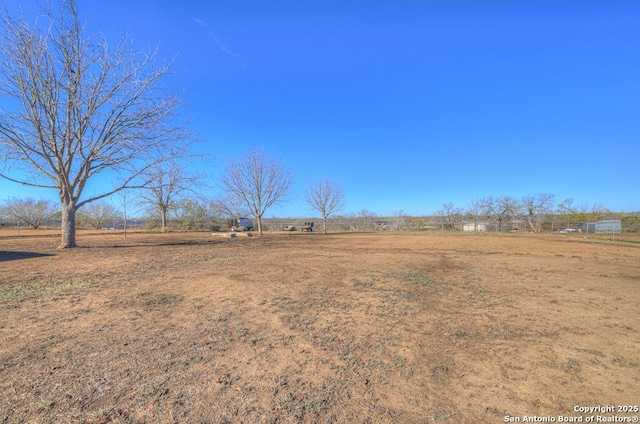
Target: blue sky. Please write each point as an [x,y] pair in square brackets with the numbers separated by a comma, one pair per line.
[407,104]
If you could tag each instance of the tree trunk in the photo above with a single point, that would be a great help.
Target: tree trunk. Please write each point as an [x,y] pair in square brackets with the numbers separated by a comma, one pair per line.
[324,224]
[259,218]
[68,225]
[163,213]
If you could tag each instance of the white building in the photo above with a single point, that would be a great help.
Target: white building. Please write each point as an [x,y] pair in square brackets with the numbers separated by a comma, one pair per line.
[474,226]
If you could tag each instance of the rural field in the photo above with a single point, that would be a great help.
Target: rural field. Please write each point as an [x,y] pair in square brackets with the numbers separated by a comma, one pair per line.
[306,328]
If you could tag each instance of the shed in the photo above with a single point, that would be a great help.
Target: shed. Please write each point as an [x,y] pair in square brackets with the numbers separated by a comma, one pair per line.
[605,226]
[474,227]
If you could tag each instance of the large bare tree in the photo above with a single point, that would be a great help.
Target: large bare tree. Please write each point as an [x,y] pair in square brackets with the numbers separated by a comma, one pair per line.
[259,180]
[326,197]
[79,108]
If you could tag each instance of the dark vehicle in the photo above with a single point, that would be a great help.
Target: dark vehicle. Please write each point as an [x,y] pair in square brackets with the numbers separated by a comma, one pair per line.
[239,224]
[307,227]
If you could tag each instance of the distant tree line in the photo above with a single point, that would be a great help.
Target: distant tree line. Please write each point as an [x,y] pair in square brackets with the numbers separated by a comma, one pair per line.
[188,210]
[534,213]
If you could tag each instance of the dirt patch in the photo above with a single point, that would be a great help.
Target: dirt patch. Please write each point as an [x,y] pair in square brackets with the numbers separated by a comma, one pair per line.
[186,327]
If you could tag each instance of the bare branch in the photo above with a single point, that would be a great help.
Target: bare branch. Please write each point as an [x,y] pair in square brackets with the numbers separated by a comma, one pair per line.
[231,206]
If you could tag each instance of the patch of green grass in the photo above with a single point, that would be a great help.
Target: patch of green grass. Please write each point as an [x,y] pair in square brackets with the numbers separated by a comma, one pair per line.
[440,415]
[162,299]
[46,403]
[414,277]
[25,291]
[425,282]
[361,285]
[572,366]
[591,351]
[154,389]
[624,362]
[505,331]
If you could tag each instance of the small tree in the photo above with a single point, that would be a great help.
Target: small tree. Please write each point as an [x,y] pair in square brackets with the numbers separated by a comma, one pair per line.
[259,180]
[193,212]
[500,210]
[474,212]
[166,183]
[30,211]
[97,214]
[450,216]
[326,197]
[230,206]
[580,213]
[123,201]
[366,220]
[535,207]
[398,220]
[567,211]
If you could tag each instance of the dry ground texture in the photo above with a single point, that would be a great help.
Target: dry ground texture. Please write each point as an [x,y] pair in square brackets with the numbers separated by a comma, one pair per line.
[288,328]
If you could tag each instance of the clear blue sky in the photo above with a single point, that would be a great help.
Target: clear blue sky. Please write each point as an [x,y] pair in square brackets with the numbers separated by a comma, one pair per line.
[408,104]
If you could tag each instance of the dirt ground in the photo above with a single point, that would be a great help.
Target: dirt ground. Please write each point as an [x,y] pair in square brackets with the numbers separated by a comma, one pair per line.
[288,328]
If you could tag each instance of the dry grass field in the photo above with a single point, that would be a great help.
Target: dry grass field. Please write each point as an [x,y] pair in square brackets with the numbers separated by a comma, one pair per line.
[305,328]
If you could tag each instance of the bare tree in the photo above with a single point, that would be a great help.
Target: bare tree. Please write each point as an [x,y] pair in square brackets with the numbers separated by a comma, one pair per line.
[500,210]
[259,180]
[80,108]
[166,183]
[475,212]
[326,197]
[193,212]
[450,215]
[346,222]
[97,214]
[123,201]
[30,211]
[581,213]
[365,220]
[230,206]
[567,209]
[398,220]
[535,207]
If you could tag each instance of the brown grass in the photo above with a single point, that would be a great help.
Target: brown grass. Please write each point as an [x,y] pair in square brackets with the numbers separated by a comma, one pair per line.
[163,328]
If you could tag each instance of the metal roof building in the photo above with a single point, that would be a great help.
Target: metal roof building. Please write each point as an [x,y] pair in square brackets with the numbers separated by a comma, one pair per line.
[606,226]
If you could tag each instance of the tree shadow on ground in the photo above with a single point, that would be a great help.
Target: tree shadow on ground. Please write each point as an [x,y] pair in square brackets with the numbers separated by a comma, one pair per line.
[14,256]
